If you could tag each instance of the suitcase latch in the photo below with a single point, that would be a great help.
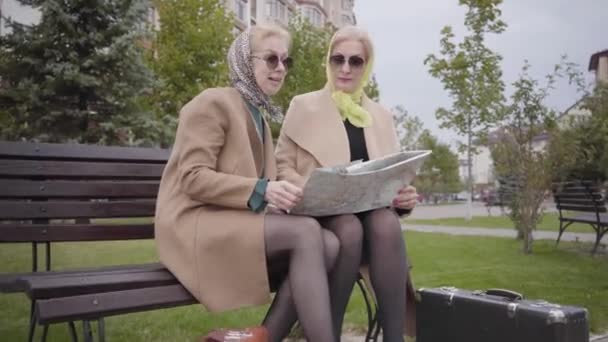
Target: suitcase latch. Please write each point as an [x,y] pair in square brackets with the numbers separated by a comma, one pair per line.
[512,309]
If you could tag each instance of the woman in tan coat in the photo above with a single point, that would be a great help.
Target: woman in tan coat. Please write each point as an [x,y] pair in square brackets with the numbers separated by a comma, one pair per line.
[213,231]
[337,125]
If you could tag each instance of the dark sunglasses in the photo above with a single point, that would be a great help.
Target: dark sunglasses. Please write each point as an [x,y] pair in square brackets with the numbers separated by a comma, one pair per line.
[353,61]
[272,61]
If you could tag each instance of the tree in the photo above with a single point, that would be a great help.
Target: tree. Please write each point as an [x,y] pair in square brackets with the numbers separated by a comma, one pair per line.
[590,136]
[189,52]
[470,72]
[439,173]
[372,89]
[528,168]
[409,128]
[309,51]
[77,74]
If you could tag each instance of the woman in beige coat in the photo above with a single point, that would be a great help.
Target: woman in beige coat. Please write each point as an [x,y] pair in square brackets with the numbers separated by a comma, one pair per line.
[337,125]
[212,228]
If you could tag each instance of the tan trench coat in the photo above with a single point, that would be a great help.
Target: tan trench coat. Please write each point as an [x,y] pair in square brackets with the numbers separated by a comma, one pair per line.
[205,233]
[313,135]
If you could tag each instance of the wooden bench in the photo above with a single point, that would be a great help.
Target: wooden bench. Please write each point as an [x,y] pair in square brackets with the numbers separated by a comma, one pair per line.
[583,202]
[60,193]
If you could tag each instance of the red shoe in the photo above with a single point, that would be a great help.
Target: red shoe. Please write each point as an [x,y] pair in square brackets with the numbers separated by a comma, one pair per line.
[255,334]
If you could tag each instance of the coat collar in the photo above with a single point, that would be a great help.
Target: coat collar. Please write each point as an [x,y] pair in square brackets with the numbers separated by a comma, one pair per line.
[316,126]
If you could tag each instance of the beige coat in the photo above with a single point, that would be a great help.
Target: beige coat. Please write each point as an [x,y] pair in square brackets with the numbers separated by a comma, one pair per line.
[313,135]
[205,233]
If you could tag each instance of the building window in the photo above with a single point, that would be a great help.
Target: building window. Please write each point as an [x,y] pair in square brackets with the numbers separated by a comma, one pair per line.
[346,19]
[240,9]
[271,8]
[314,16]
[282,15]
[277,10]
[254,8]
[346,4]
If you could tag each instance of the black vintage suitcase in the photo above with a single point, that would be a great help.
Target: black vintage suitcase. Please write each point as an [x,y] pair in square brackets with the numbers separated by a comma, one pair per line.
[449,314]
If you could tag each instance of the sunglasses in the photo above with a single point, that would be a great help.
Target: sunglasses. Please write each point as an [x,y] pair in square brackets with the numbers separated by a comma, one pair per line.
[353,61]
[272,61]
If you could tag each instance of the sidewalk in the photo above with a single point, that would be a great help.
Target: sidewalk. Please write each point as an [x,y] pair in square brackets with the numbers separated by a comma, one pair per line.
[498,232]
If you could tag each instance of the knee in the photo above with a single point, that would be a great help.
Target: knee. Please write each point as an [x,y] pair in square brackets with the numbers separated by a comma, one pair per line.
[349,231]
[384,227]
[331,248]
[306,233]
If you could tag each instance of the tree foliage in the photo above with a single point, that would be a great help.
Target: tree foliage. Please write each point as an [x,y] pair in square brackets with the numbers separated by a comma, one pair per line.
[439,173]
[409,128]
[518,157]
[77,74]
[471,74]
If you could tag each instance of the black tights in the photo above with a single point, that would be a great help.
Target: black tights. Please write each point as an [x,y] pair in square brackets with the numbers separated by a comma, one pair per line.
[379,232]
[304,295]
[388,269]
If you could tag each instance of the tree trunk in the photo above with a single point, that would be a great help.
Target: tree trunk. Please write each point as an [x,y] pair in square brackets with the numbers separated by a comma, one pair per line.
[528,239]
[469,213]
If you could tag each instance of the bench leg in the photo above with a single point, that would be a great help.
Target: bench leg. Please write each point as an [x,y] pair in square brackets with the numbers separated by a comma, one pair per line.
[73,333]
[368,307]
[86,331]
[562,228]
[45,331]
[32,330]
[599,233]
[101,330]
[377,327]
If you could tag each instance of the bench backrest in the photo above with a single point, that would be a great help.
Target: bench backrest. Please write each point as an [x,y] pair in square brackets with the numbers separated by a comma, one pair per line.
[62,192]
[583,196]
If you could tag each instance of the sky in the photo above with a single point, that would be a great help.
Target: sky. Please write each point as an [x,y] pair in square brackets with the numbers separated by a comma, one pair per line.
[404,32]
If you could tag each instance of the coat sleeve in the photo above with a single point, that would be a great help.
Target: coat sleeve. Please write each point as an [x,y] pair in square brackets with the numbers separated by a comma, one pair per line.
[200,137]
[286,153]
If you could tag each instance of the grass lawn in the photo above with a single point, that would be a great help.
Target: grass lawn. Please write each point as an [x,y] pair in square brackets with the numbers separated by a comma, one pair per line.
[550,221]
[566,275]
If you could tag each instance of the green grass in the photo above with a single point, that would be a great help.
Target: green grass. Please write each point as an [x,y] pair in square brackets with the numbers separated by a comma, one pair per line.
[550,221]
[567,275]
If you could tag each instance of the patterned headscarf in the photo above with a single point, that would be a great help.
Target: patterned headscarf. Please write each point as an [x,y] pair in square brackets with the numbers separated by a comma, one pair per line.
[242,76]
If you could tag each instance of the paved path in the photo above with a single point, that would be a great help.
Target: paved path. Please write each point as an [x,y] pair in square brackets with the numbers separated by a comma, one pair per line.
[499,232]
[459,210]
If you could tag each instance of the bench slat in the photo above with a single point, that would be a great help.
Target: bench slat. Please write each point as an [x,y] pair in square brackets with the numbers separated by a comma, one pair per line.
[581,208]
[81,152]
[16,168]
[16,282]
[563,195]
[20,210]
[94,306]
[580,201]
[78,284]
[74,232]
[16,188]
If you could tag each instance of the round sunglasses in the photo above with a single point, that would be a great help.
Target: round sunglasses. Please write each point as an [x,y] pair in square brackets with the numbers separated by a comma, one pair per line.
[353,61]
[272,61]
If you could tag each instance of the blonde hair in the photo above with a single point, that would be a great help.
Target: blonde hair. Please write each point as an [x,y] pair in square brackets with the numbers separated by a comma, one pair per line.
[264,31]
[349,33]
[349,105]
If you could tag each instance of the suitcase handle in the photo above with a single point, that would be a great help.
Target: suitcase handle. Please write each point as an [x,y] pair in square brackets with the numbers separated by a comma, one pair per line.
[512,295]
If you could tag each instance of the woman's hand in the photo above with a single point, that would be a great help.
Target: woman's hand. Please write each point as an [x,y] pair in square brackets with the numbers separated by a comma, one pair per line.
[407,198]
[283,195]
